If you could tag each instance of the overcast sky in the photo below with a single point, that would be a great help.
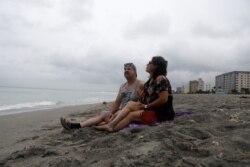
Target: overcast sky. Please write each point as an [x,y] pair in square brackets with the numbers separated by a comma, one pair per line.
[84,43]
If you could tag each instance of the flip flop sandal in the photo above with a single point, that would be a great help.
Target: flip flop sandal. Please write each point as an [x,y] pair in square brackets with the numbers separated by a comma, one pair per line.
[64,124]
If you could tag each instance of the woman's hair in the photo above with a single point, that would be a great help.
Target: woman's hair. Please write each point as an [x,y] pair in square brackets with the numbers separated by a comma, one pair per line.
[161,66]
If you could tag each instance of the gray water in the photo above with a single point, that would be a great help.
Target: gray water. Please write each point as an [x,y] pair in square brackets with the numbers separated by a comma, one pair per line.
[16,100]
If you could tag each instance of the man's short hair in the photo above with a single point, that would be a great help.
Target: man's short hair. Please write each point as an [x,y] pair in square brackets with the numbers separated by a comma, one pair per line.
[131,65]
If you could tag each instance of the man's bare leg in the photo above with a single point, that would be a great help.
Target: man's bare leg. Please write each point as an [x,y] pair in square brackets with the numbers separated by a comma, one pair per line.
[89,122]
[93,121]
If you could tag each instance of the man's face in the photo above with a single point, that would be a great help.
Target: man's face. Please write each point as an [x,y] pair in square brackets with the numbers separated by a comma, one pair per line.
[129,72]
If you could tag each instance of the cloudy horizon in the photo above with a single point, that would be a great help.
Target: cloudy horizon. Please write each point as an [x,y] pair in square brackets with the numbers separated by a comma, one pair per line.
[79,44]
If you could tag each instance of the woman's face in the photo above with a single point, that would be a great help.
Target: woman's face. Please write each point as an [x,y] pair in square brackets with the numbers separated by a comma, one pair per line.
[150,67]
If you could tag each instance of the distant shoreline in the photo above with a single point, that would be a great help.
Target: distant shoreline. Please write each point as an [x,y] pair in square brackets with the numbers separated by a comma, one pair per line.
[44,109]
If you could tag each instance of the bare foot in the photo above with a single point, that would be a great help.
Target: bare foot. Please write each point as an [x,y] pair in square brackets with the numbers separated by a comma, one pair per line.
[105,127]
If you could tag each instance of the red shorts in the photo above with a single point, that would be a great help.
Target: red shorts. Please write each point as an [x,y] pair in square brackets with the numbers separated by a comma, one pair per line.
[148,117]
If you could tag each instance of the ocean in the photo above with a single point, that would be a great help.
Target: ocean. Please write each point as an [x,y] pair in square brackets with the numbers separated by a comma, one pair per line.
[17,100]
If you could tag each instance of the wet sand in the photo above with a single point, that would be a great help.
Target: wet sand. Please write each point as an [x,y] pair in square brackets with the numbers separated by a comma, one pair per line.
[217,133]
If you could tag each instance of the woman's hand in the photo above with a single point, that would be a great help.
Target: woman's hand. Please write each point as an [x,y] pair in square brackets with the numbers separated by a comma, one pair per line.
[134,106]
[141,106]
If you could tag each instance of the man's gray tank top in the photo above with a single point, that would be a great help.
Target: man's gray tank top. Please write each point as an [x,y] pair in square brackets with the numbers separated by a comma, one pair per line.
[128,94]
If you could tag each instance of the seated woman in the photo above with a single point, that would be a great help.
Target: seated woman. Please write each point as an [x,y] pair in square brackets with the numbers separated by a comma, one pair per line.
[156,103]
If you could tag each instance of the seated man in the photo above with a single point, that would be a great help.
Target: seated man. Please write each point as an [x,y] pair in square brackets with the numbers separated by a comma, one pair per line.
[129,91]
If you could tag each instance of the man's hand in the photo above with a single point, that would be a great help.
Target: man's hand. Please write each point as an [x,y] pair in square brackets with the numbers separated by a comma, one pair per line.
[111,115]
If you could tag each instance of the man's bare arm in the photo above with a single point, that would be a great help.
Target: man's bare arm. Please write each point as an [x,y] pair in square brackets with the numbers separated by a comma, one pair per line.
[140,88]
[116,104]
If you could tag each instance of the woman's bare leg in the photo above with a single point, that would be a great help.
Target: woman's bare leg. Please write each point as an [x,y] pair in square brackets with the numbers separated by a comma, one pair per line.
[132,116]
[131,106]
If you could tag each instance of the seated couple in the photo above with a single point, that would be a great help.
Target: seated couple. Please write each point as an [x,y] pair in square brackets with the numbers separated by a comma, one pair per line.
[147,104]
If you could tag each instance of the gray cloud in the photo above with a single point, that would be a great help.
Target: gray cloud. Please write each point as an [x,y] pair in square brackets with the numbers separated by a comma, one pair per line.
[96,67]
[77,10]
[243,57]
[186,63]
[202,29]
[25,14]
[205,30]
[152,25]
[65,43]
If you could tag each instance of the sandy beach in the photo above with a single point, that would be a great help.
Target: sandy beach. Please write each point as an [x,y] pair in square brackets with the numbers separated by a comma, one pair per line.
[217,133]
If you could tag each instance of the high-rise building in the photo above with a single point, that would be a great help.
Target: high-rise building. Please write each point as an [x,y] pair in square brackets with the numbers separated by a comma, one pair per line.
[185,88]
[200,85]
[179,90]
[232,82]
[193,86]
[208,87]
